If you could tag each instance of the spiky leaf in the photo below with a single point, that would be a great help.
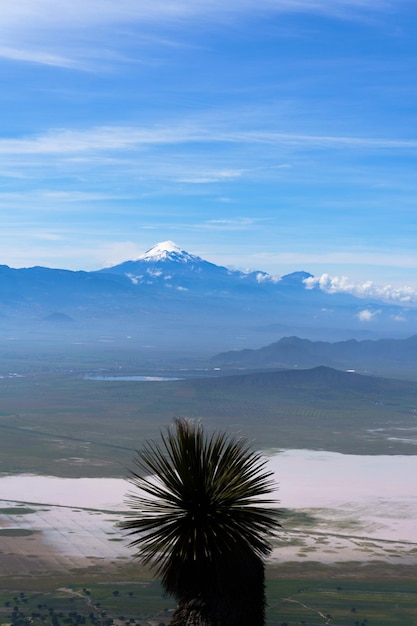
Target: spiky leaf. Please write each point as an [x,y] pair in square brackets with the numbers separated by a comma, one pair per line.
[200,512]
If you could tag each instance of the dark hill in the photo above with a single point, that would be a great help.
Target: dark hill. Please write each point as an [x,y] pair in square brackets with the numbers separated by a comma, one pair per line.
[318,408]
[317,377]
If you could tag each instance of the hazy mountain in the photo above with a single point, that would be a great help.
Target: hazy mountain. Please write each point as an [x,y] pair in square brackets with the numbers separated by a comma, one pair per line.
[384,355]
[171,297]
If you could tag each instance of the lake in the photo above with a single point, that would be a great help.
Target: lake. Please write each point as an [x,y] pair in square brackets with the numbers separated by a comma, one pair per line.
[141,379]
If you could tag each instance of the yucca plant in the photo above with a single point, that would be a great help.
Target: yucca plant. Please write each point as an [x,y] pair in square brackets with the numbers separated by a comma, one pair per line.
[202,521]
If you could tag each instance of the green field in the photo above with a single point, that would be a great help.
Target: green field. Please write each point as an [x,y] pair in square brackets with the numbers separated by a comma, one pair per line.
[313,596]
[342,602]
[59,423]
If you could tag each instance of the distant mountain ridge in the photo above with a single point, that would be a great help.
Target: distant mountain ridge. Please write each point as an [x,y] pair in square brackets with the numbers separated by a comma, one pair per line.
[383,355]
[168,296]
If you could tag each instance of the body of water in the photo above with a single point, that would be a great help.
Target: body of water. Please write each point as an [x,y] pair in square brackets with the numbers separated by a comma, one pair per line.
[141,379]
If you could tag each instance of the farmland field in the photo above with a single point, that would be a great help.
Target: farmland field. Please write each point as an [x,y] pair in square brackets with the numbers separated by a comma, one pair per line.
[63,424]
[312,596]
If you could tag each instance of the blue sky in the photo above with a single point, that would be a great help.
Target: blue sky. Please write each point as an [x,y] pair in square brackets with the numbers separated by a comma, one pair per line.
[278,135]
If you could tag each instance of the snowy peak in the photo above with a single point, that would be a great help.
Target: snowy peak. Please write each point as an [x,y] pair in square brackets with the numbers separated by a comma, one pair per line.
[168,266]
[167,251]
[161,249]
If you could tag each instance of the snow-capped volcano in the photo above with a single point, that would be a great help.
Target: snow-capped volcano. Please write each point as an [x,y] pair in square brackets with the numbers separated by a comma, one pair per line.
[168,265]
[168,293]
[168,251]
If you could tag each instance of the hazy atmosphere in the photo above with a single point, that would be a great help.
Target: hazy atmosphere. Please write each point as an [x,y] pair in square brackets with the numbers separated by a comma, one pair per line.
[268,135]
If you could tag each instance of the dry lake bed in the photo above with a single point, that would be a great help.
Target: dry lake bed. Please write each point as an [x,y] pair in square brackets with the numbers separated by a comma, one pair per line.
[337,508]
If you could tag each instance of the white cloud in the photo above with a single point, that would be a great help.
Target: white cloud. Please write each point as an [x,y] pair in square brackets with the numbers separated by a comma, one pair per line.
[135,279]
[366,315]
[368,289]
[154,273]
[263,277]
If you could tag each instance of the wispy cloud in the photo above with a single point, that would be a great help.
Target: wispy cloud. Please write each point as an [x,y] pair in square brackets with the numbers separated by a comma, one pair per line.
[51,33]
[40,57]
[324,141]
[96,139]
[213,176]
[26,13]
[109,138]
[238,223]
[42,196]
[47,236]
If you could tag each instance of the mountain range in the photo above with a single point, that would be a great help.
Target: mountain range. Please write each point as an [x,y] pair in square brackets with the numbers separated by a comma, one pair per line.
[389,357]
[171,297]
